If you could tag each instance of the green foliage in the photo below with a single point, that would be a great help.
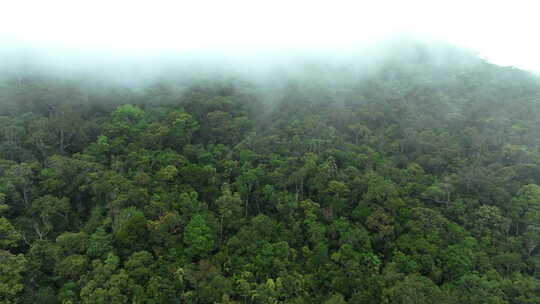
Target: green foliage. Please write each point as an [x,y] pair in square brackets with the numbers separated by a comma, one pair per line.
[12,268]
[413,289]
[72,243]
[127,113]
[198,237]
[72,267]
[10,236]
[99,244]
[131,229]
[415,182]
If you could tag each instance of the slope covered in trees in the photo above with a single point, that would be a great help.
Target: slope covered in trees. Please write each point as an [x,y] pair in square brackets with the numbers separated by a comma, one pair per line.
[411,180]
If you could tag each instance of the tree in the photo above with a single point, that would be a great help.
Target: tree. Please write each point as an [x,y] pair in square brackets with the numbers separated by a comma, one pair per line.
[72,243]
[131,230]
[181,127]
[198,237]
[9,236]
[99,244]
[413,289]
[336,299]
[12,268]
[229,207]
[49,211]
[72,267]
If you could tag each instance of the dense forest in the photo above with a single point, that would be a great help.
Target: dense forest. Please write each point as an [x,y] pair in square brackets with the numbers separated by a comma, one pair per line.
[410,178]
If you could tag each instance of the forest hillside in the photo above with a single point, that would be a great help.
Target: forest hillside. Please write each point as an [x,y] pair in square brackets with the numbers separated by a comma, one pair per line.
[409,177]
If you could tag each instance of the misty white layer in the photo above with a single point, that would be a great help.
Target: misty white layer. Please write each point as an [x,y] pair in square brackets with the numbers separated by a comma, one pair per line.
[261,65]
[502,31]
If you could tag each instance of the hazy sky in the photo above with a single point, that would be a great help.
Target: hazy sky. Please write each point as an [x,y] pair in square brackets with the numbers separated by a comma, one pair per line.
[505,32]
